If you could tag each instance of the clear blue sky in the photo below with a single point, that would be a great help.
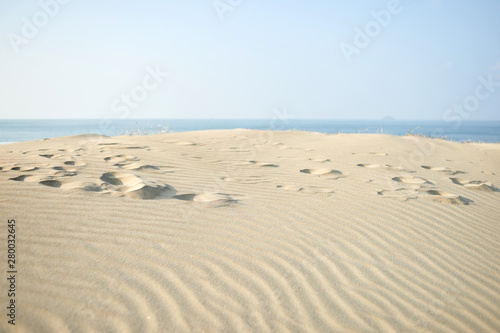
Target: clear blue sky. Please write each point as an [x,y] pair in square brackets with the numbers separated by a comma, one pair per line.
[89,55]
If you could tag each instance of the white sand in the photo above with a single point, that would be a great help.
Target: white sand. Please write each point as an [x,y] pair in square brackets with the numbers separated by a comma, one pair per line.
[252,231]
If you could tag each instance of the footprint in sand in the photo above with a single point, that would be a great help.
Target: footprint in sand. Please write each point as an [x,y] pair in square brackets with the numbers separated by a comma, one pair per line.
[32,178]
[426,194]
[478,185]
[75,163]
[211,198]
[135,187]
[120,178]
[115,183]
[250,180]
[325,173]
[488,173]
[20,178]
[120,158]
[84,185]
[69,168]
[371,154]
[449,198]
[263,164]
[182,143]
[444,170]
[192,156]
[41,179]
[400,193]
[143,167]
[293,188]
[235,150]
[417,188]
[385,167]
[50,182]
[51,155]
[306,189]
[374,166]
[117,146]
[23,167]
[411,180]
[319,160]
[64,171]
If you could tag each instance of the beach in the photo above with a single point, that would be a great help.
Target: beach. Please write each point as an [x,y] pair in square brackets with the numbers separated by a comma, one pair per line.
[252,231]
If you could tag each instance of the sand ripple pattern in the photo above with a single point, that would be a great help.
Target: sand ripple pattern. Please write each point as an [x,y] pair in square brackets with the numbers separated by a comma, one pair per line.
[196,245]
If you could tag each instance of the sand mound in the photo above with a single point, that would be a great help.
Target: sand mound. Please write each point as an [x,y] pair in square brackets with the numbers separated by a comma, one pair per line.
[478,185]
[135,187]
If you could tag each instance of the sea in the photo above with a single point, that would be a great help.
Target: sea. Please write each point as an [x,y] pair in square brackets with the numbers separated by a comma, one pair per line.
[27,130]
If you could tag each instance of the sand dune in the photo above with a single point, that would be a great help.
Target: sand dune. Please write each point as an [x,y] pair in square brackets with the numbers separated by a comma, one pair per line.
[253,231]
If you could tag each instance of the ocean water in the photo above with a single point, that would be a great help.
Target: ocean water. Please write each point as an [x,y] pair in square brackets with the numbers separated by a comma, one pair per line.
[27,130]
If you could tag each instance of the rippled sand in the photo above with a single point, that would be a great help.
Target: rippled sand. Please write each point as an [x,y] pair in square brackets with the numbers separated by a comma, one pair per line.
[253,231]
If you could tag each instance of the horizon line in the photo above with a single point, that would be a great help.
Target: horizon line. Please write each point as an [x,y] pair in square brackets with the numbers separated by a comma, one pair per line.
[269,118]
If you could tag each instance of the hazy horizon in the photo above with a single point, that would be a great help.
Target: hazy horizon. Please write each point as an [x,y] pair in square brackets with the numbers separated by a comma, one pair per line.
[267,118]
[426,60]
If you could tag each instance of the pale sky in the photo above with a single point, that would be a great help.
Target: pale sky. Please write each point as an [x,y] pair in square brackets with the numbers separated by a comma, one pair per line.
[245,58]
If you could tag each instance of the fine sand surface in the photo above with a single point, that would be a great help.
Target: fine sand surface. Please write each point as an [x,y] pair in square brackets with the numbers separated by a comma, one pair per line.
[252,231]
